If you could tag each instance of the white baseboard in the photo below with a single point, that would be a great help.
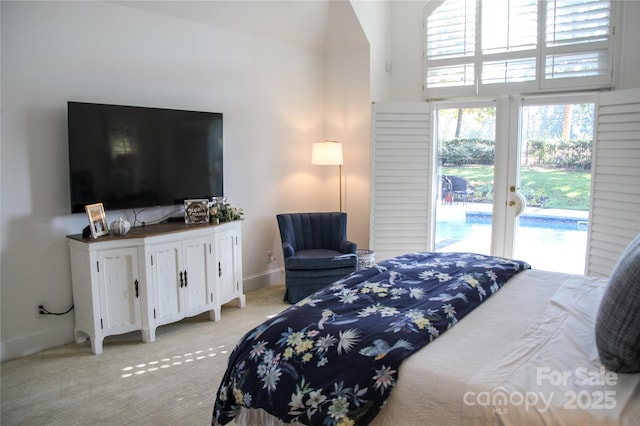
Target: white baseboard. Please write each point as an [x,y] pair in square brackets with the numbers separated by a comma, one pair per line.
[56,337]
[35,343]
[263,279]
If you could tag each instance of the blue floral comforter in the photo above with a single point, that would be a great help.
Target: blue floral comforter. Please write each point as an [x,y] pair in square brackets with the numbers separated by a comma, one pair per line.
[333,358]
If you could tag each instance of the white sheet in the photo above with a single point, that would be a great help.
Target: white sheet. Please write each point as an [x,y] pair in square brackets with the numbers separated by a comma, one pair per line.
[432,382]
[553,375]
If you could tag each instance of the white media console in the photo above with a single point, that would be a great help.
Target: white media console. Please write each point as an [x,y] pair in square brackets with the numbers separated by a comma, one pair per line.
[154,275]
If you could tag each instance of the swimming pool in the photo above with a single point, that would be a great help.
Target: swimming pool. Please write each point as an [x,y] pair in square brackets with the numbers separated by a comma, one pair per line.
[535,220]
[554,243]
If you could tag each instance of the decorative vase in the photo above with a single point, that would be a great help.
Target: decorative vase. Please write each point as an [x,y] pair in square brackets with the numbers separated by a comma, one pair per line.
[120,226]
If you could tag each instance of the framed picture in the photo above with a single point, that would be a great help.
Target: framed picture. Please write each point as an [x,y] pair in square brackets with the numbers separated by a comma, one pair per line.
[196,211]
[97,220]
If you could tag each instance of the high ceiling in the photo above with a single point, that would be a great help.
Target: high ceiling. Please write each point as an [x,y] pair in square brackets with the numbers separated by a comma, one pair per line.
[316,24]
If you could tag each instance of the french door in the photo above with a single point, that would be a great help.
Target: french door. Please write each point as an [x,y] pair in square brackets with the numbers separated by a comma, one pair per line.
[513,178]
[406,194]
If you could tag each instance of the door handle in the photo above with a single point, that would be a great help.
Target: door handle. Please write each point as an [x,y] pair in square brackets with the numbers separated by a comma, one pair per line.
[519,203]
[219,269]
[135,285]
[185,279]
[181,280]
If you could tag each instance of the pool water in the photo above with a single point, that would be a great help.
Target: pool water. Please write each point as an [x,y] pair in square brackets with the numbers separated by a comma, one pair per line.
[551,247]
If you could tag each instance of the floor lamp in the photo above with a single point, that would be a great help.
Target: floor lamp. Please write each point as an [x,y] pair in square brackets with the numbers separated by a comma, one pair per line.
[328,153]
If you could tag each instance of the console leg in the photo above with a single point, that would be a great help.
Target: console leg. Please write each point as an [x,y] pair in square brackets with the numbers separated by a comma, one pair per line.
[242,301]
[96,345]
[149,336]
[214,314]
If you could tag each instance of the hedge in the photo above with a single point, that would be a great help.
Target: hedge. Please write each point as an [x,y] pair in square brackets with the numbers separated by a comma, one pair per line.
[574,154]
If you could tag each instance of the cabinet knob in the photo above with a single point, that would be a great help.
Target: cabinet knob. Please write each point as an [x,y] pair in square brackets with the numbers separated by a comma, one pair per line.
[181,280]
[135,285]
[186,281]
[219,269]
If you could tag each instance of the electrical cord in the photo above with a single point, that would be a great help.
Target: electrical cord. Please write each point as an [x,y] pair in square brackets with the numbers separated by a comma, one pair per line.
[168,215]
[135,216]
[45,311]
[160,220]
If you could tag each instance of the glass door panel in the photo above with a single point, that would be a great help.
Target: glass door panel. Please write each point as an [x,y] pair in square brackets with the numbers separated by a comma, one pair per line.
[465,139]
[555,180]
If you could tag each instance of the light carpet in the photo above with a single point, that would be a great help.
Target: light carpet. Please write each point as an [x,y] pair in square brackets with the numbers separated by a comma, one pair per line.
[172,381]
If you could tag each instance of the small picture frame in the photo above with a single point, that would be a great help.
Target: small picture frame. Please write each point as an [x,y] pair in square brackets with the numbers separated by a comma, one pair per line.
[196,211]
[97,220]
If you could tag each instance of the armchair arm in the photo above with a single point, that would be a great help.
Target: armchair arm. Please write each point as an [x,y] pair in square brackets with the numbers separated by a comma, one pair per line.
[287,250]
[348,246]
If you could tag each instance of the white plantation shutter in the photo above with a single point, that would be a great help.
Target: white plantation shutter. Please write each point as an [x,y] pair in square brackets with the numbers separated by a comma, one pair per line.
[577,40]
[400,213]
[450,49]
[615,210]
[496,45]
[509,41]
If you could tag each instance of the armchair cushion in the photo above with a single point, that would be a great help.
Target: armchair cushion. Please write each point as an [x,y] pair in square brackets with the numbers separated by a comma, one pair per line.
[320,259]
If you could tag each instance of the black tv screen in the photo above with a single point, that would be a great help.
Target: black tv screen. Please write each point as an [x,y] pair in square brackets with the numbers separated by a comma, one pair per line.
[132,157]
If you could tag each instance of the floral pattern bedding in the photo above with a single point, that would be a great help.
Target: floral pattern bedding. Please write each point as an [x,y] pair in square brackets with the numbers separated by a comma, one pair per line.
[333,358]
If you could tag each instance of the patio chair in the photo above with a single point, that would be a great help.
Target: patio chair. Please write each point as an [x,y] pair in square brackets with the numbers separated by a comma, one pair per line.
[446,196]
[461,189]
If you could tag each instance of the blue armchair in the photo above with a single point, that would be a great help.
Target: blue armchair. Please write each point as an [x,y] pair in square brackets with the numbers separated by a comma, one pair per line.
[316,251]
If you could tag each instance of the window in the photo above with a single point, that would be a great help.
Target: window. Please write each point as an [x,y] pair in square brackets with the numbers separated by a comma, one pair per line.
[486,47]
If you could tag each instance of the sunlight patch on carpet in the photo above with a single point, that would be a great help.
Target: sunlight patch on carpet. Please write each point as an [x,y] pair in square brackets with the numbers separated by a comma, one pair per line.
[174,361]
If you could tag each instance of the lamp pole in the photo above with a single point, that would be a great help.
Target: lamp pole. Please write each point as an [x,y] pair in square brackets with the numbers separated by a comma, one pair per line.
[340,183]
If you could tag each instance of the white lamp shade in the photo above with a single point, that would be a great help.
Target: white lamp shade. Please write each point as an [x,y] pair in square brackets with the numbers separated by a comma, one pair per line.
[327,153]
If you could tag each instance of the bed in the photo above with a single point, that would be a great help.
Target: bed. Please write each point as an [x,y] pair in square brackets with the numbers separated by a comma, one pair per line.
[525,353]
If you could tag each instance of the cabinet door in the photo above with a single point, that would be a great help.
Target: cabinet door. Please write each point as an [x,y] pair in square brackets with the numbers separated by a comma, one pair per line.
[166,263]
[119,291]
[228,261]
[198,276]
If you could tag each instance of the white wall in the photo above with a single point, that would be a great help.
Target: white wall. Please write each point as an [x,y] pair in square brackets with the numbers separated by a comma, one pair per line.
[375,20]
[629,75]
[348,120]
[406,47]
[272,96]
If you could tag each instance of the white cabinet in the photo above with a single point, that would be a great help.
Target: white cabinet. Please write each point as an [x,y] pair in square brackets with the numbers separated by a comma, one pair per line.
[182,279]
[199,286]
[152,276]
[230,266]
[119,288]
[166,272]
[109,294]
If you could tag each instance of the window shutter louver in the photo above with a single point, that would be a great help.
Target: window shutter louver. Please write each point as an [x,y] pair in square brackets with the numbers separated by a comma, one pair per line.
[572,39]
[509,26]
[577,21]
[400,212]
[451,30]
[615,210]
[509,41]
[450,35]
[577,39]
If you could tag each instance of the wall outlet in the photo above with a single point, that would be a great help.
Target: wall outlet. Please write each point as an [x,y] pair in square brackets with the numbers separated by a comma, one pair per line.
[270,257]
[39,308]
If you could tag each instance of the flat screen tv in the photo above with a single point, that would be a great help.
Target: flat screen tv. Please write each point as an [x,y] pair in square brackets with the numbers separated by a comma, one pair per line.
[129,157]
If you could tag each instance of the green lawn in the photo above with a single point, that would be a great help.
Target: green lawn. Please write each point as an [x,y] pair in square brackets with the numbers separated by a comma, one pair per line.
[565,189]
